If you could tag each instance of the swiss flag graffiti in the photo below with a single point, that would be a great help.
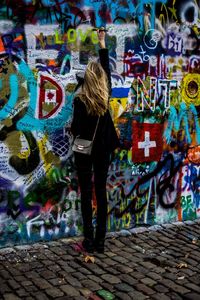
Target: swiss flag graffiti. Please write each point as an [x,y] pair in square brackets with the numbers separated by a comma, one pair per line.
[147,142]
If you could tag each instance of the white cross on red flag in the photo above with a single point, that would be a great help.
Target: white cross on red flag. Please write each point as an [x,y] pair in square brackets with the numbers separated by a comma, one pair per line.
[147,142]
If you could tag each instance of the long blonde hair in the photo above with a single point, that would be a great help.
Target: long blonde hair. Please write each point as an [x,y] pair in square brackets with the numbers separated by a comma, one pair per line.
[94,92]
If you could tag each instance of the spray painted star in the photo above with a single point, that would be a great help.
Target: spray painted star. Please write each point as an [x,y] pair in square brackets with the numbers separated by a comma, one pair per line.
[173,11]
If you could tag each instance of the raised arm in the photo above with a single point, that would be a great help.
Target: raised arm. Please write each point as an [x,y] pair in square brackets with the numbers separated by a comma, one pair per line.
[104,55]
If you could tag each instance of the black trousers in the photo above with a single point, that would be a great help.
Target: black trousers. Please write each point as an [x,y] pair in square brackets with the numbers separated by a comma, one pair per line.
[87,166]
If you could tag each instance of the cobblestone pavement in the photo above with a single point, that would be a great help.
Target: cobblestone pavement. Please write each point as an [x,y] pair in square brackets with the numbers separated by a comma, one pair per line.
[159,262]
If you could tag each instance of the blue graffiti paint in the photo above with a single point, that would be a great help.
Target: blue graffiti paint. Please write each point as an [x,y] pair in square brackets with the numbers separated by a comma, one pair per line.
[27,2]
[46,3]
[116,9]
[175,120]
[120,92]
[196,122]
[97,8]
[65,60]
[141,11]
[191,178]
[28,121]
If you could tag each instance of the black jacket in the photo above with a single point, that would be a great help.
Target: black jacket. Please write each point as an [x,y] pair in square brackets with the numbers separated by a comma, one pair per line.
[83,124]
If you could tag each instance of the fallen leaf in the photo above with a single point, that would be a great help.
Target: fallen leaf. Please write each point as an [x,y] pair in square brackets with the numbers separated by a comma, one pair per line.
[194,241]
[182,265]
[89,259]
[182,277]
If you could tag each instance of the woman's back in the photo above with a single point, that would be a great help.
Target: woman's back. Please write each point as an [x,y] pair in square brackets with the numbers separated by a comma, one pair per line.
[84,121]
[84,125]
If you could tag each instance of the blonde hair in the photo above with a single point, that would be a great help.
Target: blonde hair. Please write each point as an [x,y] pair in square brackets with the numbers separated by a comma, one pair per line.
[94,92]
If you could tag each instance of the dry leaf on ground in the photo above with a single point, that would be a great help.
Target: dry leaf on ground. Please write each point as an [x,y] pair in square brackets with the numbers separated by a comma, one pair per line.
[194,241]
[181,277]
[89,259]
[182,265]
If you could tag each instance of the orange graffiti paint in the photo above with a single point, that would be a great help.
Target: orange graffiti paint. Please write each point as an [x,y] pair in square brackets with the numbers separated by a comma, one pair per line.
[2,49]
[193,154]
[19,38]
[52,62]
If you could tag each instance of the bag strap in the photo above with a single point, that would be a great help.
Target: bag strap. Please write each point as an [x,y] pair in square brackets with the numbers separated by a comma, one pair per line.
[95,129]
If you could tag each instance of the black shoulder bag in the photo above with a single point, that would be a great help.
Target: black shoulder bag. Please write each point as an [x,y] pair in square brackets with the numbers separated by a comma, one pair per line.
[84,146]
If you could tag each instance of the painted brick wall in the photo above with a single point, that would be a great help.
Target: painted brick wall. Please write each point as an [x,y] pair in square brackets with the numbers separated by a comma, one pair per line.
[155,62]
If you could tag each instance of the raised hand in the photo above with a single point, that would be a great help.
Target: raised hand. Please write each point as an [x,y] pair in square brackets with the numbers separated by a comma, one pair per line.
[101,33]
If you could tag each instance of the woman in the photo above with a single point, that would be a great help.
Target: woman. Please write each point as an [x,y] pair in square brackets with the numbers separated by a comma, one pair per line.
[91,104]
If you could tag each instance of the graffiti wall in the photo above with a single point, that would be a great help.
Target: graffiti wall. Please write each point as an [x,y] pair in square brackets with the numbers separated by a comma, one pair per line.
[154,49]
